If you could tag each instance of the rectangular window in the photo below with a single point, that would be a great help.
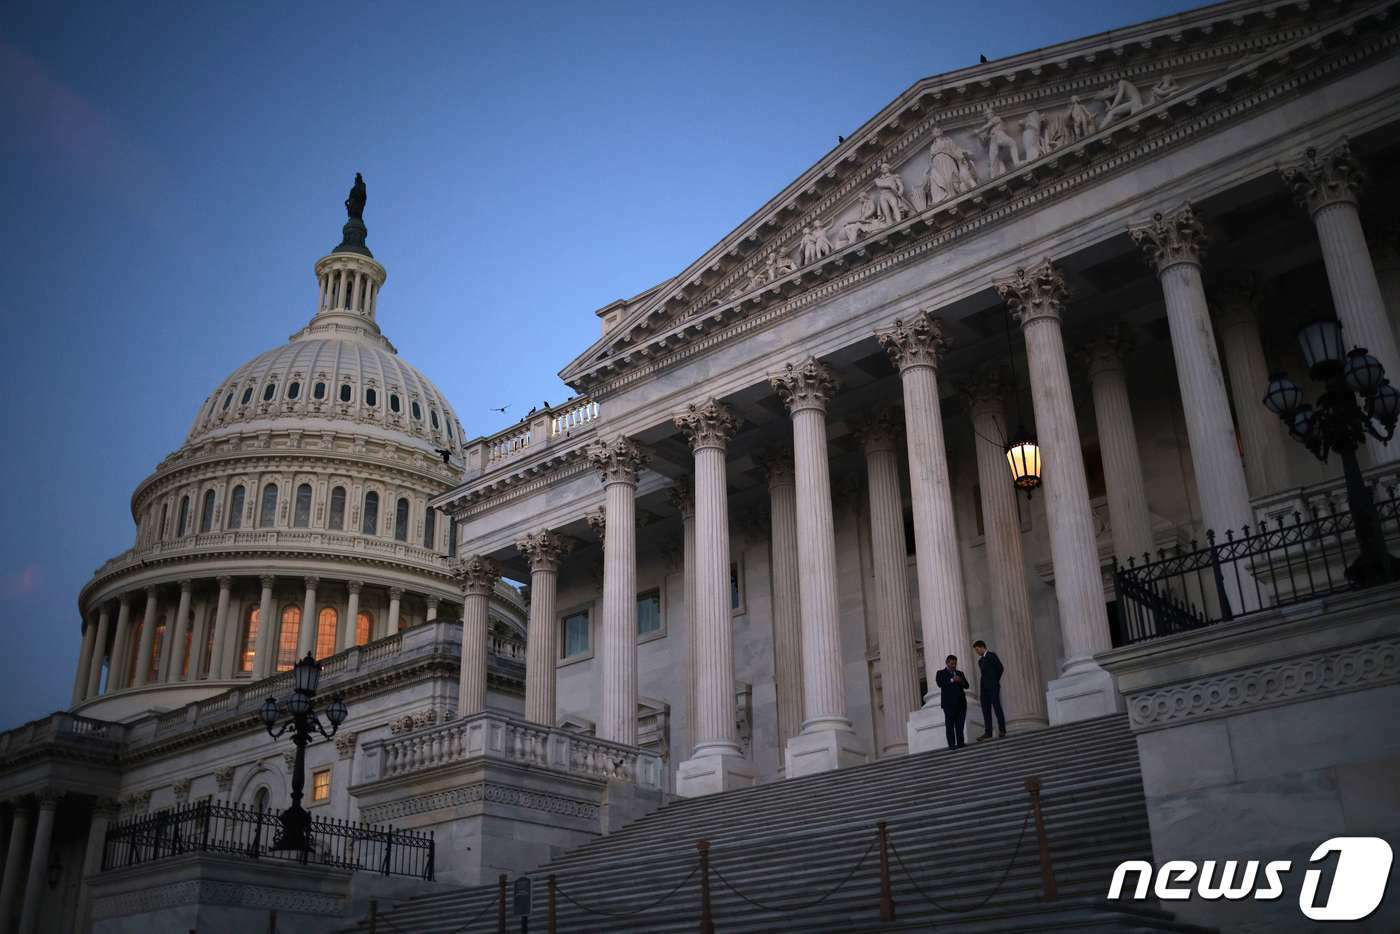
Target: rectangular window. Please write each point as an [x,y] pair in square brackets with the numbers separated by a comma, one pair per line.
[575,639]
[321,785]
[649,613]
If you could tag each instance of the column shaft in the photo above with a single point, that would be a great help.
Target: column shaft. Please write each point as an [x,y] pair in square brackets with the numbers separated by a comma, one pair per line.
[200,615]
[265,646]
[148,637]
[119,675]
[541,644]
[349,627]
[94,683]
[1261,433]
[714,683]
[219,666]
[395,595]
[619,635]
[38,867]
[478,577]
[13,882]
[787,601]
[92,861]
[1122,464]
[306,634]
[85,652]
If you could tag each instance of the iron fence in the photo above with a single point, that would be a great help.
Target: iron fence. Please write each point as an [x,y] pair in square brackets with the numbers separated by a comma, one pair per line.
[238,830]
[1289,560]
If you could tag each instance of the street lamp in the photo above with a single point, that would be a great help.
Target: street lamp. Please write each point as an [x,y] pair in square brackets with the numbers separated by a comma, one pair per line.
[304,724]
[1023,456]
[1338,422]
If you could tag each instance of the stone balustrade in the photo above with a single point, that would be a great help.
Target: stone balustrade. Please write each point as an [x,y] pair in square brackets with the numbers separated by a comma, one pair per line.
[493,736]
[58,728]
[1383,480]
[537,430]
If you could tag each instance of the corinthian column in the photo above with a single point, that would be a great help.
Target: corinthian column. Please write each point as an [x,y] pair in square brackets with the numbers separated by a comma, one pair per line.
[717,762]
[1022,690]
[350,627]
[543,550]
[172,649]
[118,676]
[148,639]
[827,740]
[894,616]
[1261,434]
[477,577]
[306,634]
[1327,185]
[619,461]
[1172,245]
[99,652]
[1122,463]
[787,600]
[218,666]
[1083,690]
[915,348]
[682,495]
[265,647]
[80,676]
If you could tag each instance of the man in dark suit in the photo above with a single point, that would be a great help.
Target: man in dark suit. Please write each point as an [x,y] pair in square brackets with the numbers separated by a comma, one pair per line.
[952,686]
[989,668]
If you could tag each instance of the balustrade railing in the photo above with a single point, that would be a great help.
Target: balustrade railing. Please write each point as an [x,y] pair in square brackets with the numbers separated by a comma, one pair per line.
[321,539]
[493,736]
[60,727]
[236,830]
[1286,560]
[573,416]
[538,429]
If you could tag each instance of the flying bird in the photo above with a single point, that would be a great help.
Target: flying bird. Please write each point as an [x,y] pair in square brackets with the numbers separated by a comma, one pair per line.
[445,454]
[501,409]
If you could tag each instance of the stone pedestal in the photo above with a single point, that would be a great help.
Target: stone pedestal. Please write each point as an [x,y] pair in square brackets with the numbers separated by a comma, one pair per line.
[821,750]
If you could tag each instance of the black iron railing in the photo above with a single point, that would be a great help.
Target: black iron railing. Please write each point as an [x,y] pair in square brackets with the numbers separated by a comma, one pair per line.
[1294,559]
[208,827]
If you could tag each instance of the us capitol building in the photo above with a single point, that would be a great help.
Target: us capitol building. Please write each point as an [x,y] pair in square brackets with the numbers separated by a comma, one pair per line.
[992,368]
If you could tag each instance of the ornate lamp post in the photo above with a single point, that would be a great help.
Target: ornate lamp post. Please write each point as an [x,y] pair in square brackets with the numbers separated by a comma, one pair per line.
[304,724]
[1340,423]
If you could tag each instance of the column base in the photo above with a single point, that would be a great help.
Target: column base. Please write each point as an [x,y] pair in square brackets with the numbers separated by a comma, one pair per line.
[926,731]
[823,750]
[1081,692]
[712,772]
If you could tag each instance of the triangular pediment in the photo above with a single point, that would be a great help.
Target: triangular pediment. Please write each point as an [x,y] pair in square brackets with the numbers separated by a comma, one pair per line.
[959,146]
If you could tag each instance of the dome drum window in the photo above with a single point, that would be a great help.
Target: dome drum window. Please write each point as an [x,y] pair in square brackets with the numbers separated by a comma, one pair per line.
[228,399]
[371,397]
[269,392]
[395,405]
[417,411]
[346,393]
[293,391]
[247,396]
[318,392]
[432,415]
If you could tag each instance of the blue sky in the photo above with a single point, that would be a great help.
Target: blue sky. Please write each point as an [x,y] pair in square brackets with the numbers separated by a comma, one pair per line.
[171,172]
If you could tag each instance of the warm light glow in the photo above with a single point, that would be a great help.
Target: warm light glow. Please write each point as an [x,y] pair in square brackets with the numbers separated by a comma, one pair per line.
[1023,456]
[321,785]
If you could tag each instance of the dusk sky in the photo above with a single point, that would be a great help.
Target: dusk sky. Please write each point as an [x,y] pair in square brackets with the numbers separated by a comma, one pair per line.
[171,175]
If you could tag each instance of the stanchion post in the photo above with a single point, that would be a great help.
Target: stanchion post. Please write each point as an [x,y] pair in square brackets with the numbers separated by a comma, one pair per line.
[373,915]
[501,907]
[707,924]
[886,892]
[1047,869]
[550,924]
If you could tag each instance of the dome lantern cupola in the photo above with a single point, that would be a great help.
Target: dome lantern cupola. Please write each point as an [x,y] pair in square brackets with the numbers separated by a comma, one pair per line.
[349,277]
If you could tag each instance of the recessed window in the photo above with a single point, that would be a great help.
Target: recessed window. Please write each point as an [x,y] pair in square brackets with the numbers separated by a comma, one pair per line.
[247,396]
[371,397]
[371,523]
[235,508]
[417,412]
[575,641]
[321,785]
[649,613]
[184,516]
[326,623]
[301,515]
[250,640]
[261,799]
[267,513]
[227,400]
[346,393]
[394,404]
[337,516]
[432,414]
[401,520]
[429,528]
[364,627]
[206,512]
[449,428]
[164,515]
[318,391]
[293,390]
[287,638]
[269,391]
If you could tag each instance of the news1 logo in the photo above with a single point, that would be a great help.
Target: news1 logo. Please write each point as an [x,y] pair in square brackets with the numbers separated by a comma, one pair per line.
[1358,883]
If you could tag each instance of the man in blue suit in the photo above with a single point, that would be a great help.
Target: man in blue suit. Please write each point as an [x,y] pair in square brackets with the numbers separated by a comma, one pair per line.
[990,669]
[952,685]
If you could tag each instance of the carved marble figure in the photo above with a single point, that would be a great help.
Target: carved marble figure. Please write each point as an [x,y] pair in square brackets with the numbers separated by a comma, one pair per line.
[890,204]
[993,131]
[946,176]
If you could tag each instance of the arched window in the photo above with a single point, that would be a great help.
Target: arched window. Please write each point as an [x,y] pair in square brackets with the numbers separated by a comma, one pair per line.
[326,622]
[371,397]
[395,405]
[287,638]
[336,519]
[449,429]
[417,411]
[206,512]
[364,627]
[247,396]
[227,399]
[293,391]
[235,508]
[269,391]
[184,517]
[432,415]
[267,515]
[452,537]
[301,516]
[346,393]
[250,640]
[371,523]
[401,520]
[164,514]
[318,391]
[261,799]
[430,528]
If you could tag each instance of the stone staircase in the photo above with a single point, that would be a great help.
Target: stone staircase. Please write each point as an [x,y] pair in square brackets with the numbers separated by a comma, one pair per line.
[955,819]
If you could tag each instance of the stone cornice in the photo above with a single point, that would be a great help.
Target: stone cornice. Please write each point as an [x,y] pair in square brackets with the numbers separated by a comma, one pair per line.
[523,477]
[1197,108]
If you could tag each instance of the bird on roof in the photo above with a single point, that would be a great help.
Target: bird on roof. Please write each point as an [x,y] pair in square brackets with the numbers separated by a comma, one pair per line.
[840,139]
[445,454]
[983,58]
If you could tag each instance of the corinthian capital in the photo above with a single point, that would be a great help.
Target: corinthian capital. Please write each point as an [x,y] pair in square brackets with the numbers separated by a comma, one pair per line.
[777,467]
[1106,351]
[917,342]
[543,550]
[806,385]
[881,432]
[476,575]
[618,460]
[1034,293]
[987,391]
[1236,298]
[1178,237]
[598,522]
[682,495]
[708,424]
[1319,180]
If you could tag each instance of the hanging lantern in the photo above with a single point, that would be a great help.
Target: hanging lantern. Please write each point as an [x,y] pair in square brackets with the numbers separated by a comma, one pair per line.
[1323,349]
[1023,456]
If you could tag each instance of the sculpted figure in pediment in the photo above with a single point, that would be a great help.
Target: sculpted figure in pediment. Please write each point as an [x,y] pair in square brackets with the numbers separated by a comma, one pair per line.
[1081,122]
[1054,131]
[890,204]
[821,239]
[993,131]
[949,170]
[1125,99]
[863,223]
[1031,128]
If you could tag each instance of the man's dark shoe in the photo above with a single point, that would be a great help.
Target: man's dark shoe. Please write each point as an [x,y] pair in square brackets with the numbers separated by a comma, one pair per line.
[986,736]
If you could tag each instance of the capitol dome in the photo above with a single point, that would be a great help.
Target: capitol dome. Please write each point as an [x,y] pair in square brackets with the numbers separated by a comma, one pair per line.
[294,518]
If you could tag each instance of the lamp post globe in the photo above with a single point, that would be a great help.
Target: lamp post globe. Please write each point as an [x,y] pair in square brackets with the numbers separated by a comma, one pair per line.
[303,724]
